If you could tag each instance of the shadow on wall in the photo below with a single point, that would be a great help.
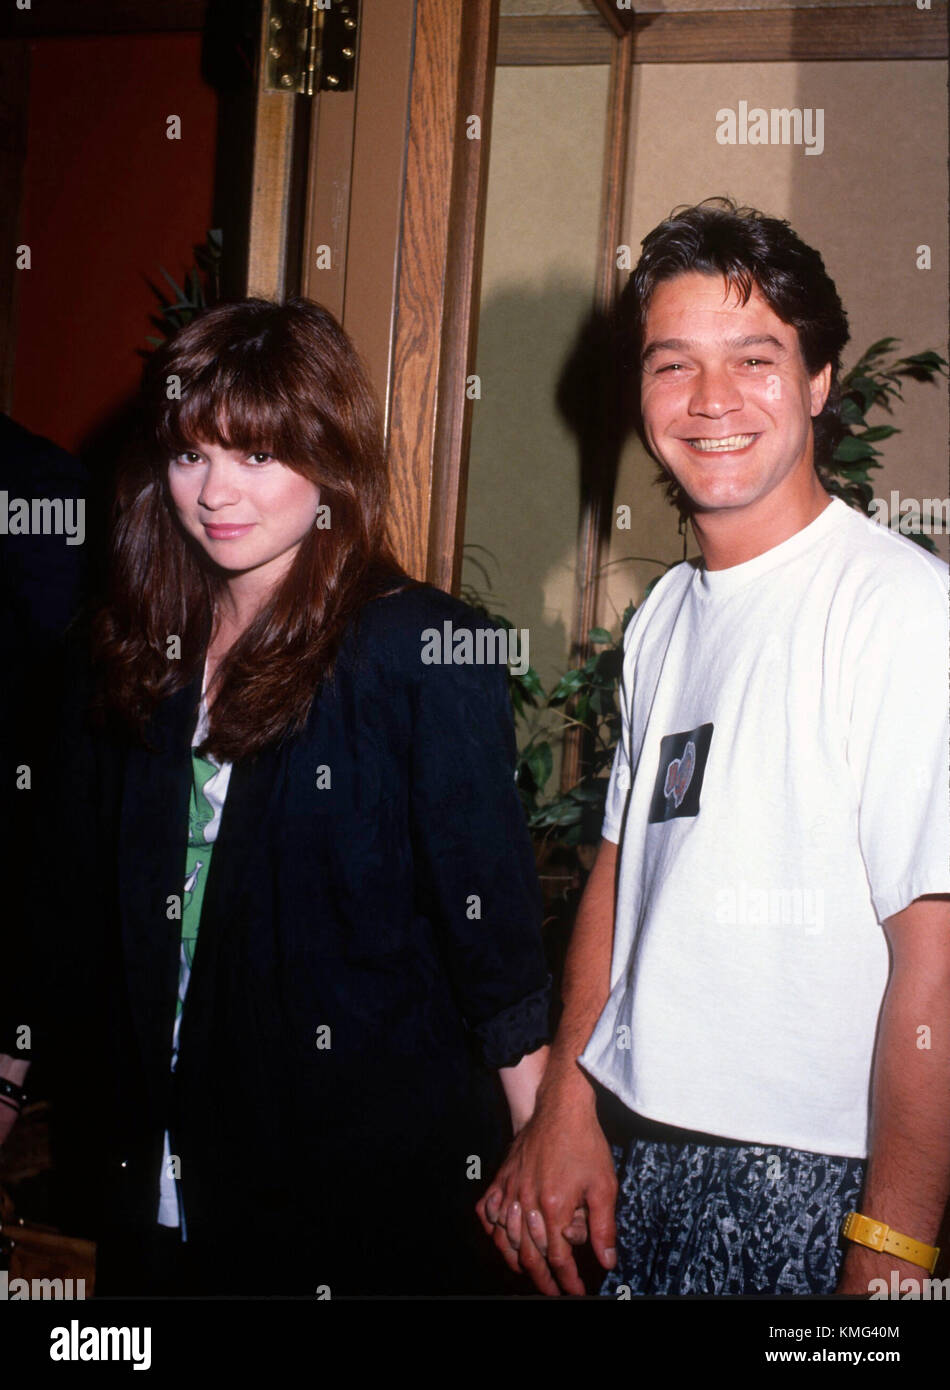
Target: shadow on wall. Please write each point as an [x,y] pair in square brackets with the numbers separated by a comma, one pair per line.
[544,437]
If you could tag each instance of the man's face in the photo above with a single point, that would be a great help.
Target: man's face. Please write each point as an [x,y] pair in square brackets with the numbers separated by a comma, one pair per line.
[726,400]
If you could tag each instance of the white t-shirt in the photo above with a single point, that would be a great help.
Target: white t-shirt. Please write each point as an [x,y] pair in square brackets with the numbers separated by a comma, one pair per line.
[785,746]
[205,811]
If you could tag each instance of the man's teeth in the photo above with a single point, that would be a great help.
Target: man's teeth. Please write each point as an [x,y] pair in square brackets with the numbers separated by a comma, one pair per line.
[734,441]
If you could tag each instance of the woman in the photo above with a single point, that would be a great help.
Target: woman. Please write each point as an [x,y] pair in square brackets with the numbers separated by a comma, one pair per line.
[305,1011]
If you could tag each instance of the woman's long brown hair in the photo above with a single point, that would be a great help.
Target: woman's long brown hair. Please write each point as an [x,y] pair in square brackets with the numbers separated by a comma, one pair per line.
[253,375]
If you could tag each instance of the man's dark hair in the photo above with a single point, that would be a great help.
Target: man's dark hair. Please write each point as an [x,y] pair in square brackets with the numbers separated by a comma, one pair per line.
[750,250]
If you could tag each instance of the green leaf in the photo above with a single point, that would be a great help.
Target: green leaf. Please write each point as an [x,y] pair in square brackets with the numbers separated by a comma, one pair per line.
[541,762]
[561,811]
[530,684]
[568,685]
[590,794]
[599,635]
[877,432]
[865,388]
[851,449]
[879,348]
[177,288]
[931,361]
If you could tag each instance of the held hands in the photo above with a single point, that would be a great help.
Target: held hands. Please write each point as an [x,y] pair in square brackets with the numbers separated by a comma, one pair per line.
[555,1189]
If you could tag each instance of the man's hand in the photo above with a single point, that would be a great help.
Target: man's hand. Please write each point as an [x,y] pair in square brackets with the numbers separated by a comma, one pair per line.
[558,1177]
[908,1174]
[556,1184]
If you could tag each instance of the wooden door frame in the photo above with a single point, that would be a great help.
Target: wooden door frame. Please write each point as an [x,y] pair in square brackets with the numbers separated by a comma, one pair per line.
[396,186]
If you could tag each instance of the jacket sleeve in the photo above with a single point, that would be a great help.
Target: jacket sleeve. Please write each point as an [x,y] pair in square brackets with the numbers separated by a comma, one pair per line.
[474,864]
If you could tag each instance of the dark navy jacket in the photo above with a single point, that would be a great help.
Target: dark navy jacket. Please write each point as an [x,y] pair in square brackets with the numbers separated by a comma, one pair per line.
[397,908]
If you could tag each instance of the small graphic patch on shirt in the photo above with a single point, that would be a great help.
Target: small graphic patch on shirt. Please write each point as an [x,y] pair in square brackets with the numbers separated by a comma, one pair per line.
[679,777]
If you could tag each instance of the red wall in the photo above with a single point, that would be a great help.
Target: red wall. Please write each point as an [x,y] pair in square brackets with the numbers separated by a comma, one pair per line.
[108,200]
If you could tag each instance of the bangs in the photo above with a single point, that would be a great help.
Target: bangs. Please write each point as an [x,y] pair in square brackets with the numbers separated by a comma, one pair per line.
[238,410]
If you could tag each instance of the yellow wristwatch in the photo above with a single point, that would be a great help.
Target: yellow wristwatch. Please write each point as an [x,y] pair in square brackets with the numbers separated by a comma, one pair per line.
[878,1236]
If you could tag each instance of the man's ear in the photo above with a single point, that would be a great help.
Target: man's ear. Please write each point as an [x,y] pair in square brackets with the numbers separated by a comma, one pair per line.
[819,386]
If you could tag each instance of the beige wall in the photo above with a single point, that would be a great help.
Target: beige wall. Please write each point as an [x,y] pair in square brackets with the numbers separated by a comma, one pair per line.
[537,285]
[877,192]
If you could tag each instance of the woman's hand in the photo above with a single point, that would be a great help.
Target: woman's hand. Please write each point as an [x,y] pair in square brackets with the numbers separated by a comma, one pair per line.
[557,1180]
[521,1084]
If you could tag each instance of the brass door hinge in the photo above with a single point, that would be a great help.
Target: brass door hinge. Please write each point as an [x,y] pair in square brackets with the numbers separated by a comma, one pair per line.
[310,45]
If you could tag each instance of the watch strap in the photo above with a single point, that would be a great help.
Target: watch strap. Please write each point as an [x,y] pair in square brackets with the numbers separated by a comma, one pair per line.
[877,1235]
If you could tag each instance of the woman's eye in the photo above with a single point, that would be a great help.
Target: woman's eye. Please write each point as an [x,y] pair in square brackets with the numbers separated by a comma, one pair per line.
[260,457]
[187,456]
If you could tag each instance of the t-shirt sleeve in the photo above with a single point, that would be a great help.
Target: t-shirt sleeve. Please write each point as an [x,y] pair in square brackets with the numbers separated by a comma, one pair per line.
[475,868]
[618,788]
[898,743]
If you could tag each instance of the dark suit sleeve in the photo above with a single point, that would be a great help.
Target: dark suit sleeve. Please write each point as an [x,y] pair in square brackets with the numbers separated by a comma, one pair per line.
[474,862]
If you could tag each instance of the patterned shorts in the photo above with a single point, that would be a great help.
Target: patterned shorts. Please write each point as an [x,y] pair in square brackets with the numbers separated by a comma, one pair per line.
[703,1219]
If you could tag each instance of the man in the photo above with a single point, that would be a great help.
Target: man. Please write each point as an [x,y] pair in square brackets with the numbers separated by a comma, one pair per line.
[758,984]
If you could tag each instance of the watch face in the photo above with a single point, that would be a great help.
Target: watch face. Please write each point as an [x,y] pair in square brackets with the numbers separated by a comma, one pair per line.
[679,776]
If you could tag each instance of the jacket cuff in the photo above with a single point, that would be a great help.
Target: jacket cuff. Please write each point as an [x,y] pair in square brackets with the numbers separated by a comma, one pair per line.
[517,1030]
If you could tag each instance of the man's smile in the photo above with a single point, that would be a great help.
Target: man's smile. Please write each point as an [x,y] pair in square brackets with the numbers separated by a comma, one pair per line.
[728,444]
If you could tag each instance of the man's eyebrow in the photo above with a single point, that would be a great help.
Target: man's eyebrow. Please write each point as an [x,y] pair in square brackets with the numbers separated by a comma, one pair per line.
[757,340]
[666,345]
[686,344]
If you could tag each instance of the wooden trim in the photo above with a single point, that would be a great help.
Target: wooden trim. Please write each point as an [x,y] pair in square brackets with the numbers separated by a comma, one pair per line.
[842,33]
[14,118]
[380,138]
[329,175]
[549,41]
[438,280]
[270,189]
[274,125]
[599,455]
[463,277]
[845,33]
[618,21]
[614,185]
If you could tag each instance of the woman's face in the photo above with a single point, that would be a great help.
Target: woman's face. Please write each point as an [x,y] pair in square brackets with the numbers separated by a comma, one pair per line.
[248,512]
